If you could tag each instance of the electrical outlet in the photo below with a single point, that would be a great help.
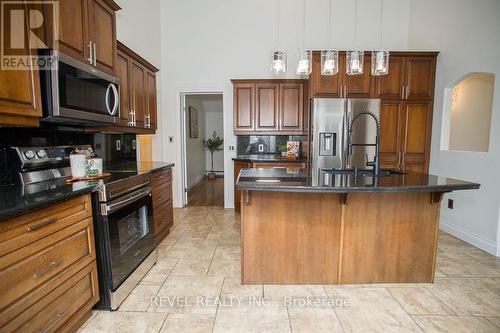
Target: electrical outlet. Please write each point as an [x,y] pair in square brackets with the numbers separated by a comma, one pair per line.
[171,139]
[118,145]
[450,203]
[261,147]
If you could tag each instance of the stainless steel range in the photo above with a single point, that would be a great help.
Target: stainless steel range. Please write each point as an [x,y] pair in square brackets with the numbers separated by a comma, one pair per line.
[123,217]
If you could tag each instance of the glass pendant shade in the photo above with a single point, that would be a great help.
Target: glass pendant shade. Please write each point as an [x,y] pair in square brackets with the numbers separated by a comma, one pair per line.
[304,64]
[278,62]
[329,62]
[354,62]
[380,63]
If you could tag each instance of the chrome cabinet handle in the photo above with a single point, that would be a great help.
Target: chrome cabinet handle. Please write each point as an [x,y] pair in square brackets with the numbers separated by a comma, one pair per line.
[34,227]
[47,268]
[95,55]
[135,119]
[91,54]
[407,92]
[402,92]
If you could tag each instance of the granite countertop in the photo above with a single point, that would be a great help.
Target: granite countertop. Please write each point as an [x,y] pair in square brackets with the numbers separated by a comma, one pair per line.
[298,180]
[16,200]
[265,158]
[144,166]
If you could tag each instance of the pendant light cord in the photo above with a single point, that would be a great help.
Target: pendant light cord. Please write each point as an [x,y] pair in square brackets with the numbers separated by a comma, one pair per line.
[303,24]
[356,24]
[381,22]
[330,25]
[278,24]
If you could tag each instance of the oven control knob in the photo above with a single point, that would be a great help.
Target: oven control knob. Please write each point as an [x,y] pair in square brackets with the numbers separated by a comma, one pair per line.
[41,153]
[29,154]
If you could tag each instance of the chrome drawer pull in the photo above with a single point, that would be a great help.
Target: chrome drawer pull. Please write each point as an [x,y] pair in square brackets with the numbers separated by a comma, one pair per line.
[48,268]
[58,317]
[34,227]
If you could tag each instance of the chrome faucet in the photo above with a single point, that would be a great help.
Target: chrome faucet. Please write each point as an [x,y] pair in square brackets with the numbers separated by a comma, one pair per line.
[375,164]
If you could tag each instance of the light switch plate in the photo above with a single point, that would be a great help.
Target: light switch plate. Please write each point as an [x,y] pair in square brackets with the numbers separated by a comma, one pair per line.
[118,145]
[171,139]
[231,147]
[261,147]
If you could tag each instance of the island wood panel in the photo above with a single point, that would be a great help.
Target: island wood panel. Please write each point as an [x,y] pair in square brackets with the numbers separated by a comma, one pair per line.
[389,237]
[290,238]
[238,165]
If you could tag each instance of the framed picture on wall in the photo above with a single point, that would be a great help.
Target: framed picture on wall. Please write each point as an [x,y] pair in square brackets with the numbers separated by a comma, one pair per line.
[193,123]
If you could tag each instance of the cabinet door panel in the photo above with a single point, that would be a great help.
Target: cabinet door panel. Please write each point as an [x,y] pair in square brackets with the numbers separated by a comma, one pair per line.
[325,85]
[390,134]
[291,106]
[103,34]
[417,126]
[360,86]
[73,34]
[243,107]
[122,71]
[266,107]
[138,92]
[151,98]
[420,78]
[390,86]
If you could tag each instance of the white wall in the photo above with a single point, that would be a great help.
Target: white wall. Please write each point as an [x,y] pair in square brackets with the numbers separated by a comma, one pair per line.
[207,43]
[466,33]
[195,151]
[214,121]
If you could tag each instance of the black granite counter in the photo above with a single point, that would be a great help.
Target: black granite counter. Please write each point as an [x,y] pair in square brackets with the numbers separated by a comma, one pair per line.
[298,180]
[265,159]
[17,200]
[145,166]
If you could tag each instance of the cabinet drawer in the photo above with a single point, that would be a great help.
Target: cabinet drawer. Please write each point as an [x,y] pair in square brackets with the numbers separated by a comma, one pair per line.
[161,196]
[163,219]
[71,299]
[24,270]
[164,176]
[29,228]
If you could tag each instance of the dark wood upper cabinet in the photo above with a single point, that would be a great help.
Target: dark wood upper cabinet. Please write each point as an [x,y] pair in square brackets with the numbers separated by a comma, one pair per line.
[325,85]
[420,72]
[123,73]
[390,86]
[102,32]
[291,106]
[266,107]
[138,88]
[20,94]
[151,105]
[73,29]
[270,107]
[87,32]
[360,86]
[243,105]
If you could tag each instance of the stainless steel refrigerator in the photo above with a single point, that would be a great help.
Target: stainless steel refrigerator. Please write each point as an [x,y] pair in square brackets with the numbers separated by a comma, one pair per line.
[330,118]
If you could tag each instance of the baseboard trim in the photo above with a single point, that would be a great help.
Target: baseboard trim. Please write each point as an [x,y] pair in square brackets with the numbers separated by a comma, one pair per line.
[469,237]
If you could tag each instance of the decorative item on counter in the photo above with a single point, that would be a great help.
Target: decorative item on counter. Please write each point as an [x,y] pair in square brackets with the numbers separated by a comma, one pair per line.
[213,144]
[283,150]
[78,163]
[293,149]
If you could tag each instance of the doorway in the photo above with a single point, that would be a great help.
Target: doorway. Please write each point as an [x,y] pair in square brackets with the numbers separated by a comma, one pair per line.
[203,155]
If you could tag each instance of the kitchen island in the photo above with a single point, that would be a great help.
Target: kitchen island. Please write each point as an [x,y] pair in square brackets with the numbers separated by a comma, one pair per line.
[359,229]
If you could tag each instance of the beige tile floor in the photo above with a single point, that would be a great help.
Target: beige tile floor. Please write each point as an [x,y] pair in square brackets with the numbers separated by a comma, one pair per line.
[195,287]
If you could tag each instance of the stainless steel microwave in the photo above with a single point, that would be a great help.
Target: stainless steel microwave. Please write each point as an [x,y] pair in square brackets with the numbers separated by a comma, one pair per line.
[75,93]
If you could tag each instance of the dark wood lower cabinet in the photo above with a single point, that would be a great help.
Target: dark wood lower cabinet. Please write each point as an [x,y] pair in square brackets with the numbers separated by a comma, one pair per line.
[48,269]
[162,203]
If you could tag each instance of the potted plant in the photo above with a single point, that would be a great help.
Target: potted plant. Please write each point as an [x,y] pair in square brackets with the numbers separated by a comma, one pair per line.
[283,150]
[213,144]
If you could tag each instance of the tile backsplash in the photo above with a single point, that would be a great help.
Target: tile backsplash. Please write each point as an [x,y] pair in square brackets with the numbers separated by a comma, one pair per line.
[249,144]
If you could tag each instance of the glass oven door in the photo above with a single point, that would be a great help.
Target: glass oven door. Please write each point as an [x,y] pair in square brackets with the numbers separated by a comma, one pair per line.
[131,235]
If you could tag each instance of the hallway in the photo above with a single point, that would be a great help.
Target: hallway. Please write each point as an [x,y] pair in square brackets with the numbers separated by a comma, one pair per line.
[207,193]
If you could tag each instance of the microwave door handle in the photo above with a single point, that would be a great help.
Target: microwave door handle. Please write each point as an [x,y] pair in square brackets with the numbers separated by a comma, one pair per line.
[107,98]
[116,95]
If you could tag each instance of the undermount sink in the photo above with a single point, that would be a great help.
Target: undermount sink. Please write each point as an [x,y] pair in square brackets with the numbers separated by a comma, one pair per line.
[362,172]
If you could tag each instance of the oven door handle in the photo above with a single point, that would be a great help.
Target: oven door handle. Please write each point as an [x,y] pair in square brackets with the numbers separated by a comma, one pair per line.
[108,209]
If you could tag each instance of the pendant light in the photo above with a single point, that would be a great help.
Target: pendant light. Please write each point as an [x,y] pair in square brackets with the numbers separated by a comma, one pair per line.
[380,58]
[278,57]
[355,58]
[329,57]
[304,63]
